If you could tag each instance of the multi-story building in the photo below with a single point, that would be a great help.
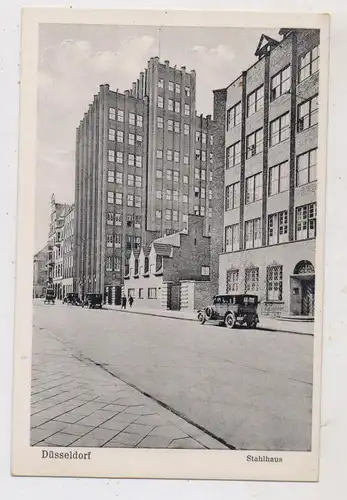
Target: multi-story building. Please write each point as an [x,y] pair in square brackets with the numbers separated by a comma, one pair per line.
[143,163]
[68,250]
[265,170]
[40,272]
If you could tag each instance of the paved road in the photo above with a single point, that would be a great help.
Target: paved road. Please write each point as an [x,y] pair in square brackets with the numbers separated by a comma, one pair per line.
[250,388]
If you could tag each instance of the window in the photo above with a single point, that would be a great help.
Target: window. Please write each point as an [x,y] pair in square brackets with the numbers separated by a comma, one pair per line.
[175,215]
[129,241]
[120,115]
[254,143]
[110,155]
[118,219]
[279,178]
[176,176]
[232,235]
[152,293]
[160,101]
[197,191]
[197,173]
[109,240]
[119,199]
[233,155]
[178,88]
[211,176]
[169,155]
[186,160]
[232,284]
[158,194]
[185,179]
[186,129]
[138,181]
[210,212]
[187,109]
[159,153]
[203,193]
[160,122]
[129,220]
[112,113]
[203,174]
[280,83]
[306,221]
[210,194]
[203,137]
[141,294]
[130,179]
[205,270]
[274,283]
[176,156]
[110,176]
[170,106]
[120,136]
[169,175]
[185,221]
[279,129]
[170,125]
[110,197]
[171,86]
[308,64]
[175,195]
[109,264]
[203,155]
[138,201]
[158,214]
[119,156]
[169,194]
[202,210]
[252,279]
[139,120]
[196,210]
[306,167]
[117,263]
[255,101]
[138,221]
[177,127]
[168,214]
[111,134]
[159,174]
[211,157]
[197,136]
[160,83]
[234,116]
[138,161]
[278,228]
[130,200]
[185,198]
[177,106]
[131,160]
[187,91]
[132,139]
[232,196]
[197,154]
[139,140]
[254,188]
[110,218]
[117,240]
[253,233]
[308,114]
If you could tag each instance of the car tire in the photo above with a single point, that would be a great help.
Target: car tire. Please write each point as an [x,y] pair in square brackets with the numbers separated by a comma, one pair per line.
[230,320]
[201,318]
[208,312]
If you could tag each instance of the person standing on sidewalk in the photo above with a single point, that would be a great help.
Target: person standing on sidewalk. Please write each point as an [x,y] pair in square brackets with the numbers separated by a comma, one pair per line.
[131,301]
[124,302]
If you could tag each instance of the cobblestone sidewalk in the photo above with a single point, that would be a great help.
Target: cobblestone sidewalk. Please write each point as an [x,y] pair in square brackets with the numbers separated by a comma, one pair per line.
[76,403]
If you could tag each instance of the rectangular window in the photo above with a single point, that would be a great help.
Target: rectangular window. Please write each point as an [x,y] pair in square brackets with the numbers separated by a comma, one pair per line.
[168,214]
[255,101]
[233,155]
[177,106]
[170,106]
[232,284]
[109,264]
[232,235]
[203,137]
[117,263]
[187,109]
[171,86]
[138,221]
[279,129]
[254,188]
[120,115]
[254,143]
[159,153]
[176,176]
[119,199]
[111,134]
[274,283]
[160,101]
[169,194]
[197,136]
[141,293]
[197,173]
[175,196]
[120,136]
[202,210]
[175,215]
[158,194]
[253,233]
[119,157]
[186,129]
[185,179]
[186,160]
[169,155]
[279,178]
[198,154]
[211,157]
[232,196]
[210,212]
[138,181]
[308,64]
[203,155]
[234,116]
[197,191]
[185,198]
[138,201]
[138,161]
[211,176]
[196,210]
[110,176]
[159,174]
[187,91]
[306,216]
[203,190]
[152,293]
[177,127]
[132,139]
[308,114]
[130,179]
[158,214]
[117,240]
[110,197]
[118,219]
[252,279]
[110,218]
[139,120]
[280,83]
[109,240]
[160,122]
[306,167]
[170,125]
[131,160]
[112,113]
[176,156]
[278,228]
[203,174]
[160,83]
[130,200]
[139,140]
[205,270]
[169,175]
[178,88]
[110,155]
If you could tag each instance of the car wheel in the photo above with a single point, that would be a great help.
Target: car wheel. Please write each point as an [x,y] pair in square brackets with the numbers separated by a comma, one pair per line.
[208,312]
[201,318]
[230,320]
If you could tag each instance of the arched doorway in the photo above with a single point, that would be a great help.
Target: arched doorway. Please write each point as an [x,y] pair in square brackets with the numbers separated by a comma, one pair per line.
[303,289]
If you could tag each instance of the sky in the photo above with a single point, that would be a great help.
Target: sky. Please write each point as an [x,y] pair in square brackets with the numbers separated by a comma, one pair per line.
[74,60]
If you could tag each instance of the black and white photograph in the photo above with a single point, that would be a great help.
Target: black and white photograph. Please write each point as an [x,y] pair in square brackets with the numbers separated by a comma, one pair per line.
[172,200]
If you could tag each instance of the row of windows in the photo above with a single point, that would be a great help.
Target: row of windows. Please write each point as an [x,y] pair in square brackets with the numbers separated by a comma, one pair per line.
[117,219]
[175,126]
[119,158]
[174,87]
[279,84]
[172,105]
[277,229]
[200,155]
[200,174]
[113,264]
[133,119]
[132,200]
[306,172]
[119,135]
[274,281]
[133,180]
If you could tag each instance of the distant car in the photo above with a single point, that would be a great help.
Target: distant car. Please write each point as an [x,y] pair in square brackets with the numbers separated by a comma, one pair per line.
[72,299]
[93,300]
[50,296]
[231,310]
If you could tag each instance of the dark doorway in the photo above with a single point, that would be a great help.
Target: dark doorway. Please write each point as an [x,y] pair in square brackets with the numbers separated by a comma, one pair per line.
[307,297]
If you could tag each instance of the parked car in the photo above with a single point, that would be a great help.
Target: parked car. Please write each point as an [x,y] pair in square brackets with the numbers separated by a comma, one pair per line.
[93,300]
[231,310]
[50,296]
[72,299]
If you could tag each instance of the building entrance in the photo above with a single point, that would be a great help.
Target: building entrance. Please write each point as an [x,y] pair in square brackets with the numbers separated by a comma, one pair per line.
[302,285]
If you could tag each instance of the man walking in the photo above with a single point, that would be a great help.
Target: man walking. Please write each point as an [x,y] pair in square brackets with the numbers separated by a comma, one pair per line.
[124,302]
[131,301]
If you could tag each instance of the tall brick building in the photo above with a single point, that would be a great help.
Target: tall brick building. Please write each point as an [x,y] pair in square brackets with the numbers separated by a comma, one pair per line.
[265,160]
[143,163]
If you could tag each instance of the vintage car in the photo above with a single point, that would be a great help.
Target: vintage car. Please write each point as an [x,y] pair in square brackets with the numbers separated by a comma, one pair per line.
[50,296]
[231,310]
[72,299]
[92,300]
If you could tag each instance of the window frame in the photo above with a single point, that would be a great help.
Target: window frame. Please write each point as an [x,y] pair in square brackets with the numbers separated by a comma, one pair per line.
[283,86]
[255,188]
[279,167]
[283,131]
[257,106]
[311,169]
[234,115]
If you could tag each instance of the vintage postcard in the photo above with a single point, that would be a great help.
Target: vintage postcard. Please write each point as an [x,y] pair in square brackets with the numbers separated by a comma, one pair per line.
[171,211]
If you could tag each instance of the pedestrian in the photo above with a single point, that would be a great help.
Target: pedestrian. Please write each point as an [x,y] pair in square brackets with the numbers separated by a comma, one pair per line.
[124,302]
[131,301]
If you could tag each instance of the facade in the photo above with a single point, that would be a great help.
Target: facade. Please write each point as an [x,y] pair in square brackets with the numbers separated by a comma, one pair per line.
[266,141]
[143,163]
[68,250]
[158,271]
[40,272]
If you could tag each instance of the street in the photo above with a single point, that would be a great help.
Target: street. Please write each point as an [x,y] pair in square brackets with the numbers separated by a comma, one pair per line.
[249,389]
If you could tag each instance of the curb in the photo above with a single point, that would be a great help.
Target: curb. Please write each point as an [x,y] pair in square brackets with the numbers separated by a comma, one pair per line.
[145,313]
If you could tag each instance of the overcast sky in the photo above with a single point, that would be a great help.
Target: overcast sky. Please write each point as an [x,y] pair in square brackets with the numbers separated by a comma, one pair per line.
[75,59]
